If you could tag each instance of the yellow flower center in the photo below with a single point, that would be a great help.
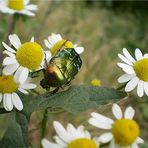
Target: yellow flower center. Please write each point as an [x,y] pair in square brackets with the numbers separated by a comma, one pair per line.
[96,82]
[30,55]
[7,84]
[125,131]
[141,69]
[59,44]
[82,143]
[16,4]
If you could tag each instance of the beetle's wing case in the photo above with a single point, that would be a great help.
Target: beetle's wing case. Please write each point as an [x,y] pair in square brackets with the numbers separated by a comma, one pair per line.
[74,64]
[62,68]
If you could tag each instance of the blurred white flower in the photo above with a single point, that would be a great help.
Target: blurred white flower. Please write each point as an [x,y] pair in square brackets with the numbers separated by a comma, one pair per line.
[17,6]
[71,138]
[9,85]
[23,58]
[124,132]
[136,71]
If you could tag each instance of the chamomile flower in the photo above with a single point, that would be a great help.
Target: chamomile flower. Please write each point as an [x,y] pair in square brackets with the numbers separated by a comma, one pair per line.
[55,42]
[124,132]
[17,6]
[9,85]
[136,71]
[23,58]
[71,138]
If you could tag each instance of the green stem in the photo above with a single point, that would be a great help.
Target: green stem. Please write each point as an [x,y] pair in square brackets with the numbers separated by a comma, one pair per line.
[10,31]
[121,87]
[35,92]
[44,122]
[12,26]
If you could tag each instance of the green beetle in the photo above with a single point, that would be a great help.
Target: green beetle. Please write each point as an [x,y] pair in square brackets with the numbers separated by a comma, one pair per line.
[61,69]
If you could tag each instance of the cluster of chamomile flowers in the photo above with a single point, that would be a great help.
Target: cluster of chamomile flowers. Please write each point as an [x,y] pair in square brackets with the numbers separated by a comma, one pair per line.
[123,132]
[20,61]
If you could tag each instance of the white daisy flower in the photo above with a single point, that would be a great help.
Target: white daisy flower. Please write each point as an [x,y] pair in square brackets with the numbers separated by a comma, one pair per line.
[9,85]
[55,41]
[136,71]
[124,132]
[17,6]
[71,138]
[23,58]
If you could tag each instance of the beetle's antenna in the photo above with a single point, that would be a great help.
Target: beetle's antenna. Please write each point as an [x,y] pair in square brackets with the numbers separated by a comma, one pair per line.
[46,61]
[62,45]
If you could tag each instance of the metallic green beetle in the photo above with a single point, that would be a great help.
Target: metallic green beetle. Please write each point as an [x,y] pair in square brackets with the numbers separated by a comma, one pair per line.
[61,69]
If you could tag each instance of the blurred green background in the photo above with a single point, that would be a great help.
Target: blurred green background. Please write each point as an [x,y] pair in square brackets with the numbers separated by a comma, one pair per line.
[103,28]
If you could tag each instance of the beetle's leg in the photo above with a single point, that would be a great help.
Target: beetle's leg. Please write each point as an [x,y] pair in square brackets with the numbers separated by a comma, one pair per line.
[46,63]
[33,74]
[62,45]
[68,83]
[61,87]
[55,90]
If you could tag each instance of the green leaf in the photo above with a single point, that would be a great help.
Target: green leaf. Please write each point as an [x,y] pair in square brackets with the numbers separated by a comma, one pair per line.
[16,133]
[74,100]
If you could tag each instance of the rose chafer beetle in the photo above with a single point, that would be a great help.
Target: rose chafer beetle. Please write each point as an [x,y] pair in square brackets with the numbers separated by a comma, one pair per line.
[61,69]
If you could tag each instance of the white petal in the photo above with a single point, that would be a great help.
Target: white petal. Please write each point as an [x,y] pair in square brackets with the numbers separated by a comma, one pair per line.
[32,39]
[79,50]
[60,130]
[47,144]
[51,40]
[128,56]
[9,61]
[17,101]
[71,130]
[101,125]
[105,138]
[46,42]
[134,145]
[10,54]
[102,118]
[126,68]
[8,48]
[1,97]
[26,2]
[125,78]
[140,88]
[59,37]
[15,41]
[129,113]
[48,55]
[146,55]
[96,140]
[117,111]
[125,59]
[21,74]
[138,54]
[10,69]
[146,88]
[131,84]
[59,141]
[23,91]
[31,7]
[139,140]
[28,86]
[27,12]
[8,102]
